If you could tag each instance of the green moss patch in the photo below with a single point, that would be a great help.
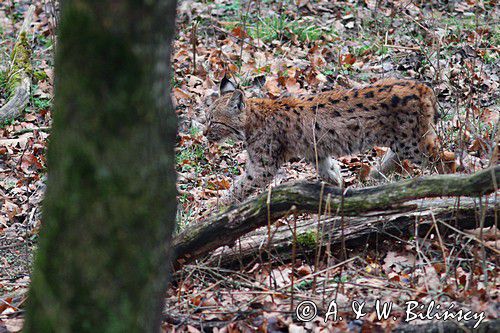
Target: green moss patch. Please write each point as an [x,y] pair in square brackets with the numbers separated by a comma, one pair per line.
[308,239]
[21,63]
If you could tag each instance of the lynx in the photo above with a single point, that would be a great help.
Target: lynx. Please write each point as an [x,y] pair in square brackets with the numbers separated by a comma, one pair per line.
[394,113]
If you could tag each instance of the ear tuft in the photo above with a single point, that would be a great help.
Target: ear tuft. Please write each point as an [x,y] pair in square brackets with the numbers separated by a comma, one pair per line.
[237,99]
[226,86]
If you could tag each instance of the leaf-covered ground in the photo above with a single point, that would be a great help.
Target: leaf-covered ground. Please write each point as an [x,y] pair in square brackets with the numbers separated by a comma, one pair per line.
[23,143]
[276,48]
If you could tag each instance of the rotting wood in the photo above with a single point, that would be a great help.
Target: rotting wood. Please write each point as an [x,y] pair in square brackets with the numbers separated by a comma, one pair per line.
[304,197]
[18,75]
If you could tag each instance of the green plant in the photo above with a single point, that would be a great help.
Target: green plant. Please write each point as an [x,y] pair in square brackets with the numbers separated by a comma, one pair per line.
[340,279]
[44,41]
[173,81]
[6,123]
[328,72]
[230,142]
[3,82]
[382,50]
[231,7]
[42,103]
[307,239]
[274,28]
[490,57]
[194,131]
[363,50]
[191,156]
[304,285]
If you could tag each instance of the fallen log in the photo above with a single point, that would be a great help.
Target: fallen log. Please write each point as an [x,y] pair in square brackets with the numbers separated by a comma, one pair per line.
[358,230]
[18,81]
[305,197]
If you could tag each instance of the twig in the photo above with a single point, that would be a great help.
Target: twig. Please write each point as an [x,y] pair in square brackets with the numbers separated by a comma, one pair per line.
[471,237]
[194,41]
[294,255]
[28,130]
[320,272]
[233,36]
[410,48]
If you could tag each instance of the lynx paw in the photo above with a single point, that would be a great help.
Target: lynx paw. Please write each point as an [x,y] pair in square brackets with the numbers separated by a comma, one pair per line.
[329,170]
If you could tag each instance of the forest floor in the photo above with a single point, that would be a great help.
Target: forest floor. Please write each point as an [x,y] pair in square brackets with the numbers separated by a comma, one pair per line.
[271,49]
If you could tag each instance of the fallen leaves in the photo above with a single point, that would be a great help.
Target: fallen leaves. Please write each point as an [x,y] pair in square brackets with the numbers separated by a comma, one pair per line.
[352,43]
[222,184]
[272,87]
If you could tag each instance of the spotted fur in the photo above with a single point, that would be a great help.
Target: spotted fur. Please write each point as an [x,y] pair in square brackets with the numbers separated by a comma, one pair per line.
[400,114]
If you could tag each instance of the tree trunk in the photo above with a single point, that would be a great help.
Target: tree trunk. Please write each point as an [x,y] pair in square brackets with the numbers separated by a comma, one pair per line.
[109,209]
[304,197]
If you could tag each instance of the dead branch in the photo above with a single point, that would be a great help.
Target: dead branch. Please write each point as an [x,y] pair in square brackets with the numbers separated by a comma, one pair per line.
[18,74]
[359,230]
[304,197]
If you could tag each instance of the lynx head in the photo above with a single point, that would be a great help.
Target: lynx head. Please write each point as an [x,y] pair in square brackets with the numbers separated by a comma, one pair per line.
[225,117]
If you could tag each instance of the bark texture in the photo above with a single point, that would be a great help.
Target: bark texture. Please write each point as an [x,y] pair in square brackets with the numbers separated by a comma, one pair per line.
[304,197]
[358,230]
[109,211]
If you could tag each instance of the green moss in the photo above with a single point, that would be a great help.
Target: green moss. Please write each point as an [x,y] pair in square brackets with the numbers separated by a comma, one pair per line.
[3,83]
[40,75]
[21,63]
[308,239]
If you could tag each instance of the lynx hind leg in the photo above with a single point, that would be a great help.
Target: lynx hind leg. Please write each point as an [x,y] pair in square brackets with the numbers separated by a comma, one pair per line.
[424,146]
[443,161]
[430,144]
[329,170]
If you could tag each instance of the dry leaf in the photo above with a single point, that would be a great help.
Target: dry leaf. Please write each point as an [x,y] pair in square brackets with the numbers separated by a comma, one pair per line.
[364,171]
[28,161]
[292,86]
[393,261]
[222,184]
[272,86]
[181,94]
[239,32]
[347,59]
[14,325]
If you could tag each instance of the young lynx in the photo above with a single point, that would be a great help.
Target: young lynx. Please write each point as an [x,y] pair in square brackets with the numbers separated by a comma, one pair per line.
[394,113]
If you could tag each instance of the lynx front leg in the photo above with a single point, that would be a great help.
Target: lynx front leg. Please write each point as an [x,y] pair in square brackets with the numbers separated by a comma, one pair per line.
[263,162]
[329,170]
[257,176]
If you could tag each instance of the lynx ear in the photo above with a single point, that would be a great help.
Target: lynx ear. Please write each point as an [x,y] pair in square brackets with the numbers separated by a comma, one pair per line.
[226,86]
[237,100]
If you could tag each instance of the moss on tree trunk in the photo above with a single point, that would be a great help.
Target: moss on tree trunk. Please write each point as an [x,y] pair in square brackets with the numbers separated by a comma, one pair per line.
[110,204]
